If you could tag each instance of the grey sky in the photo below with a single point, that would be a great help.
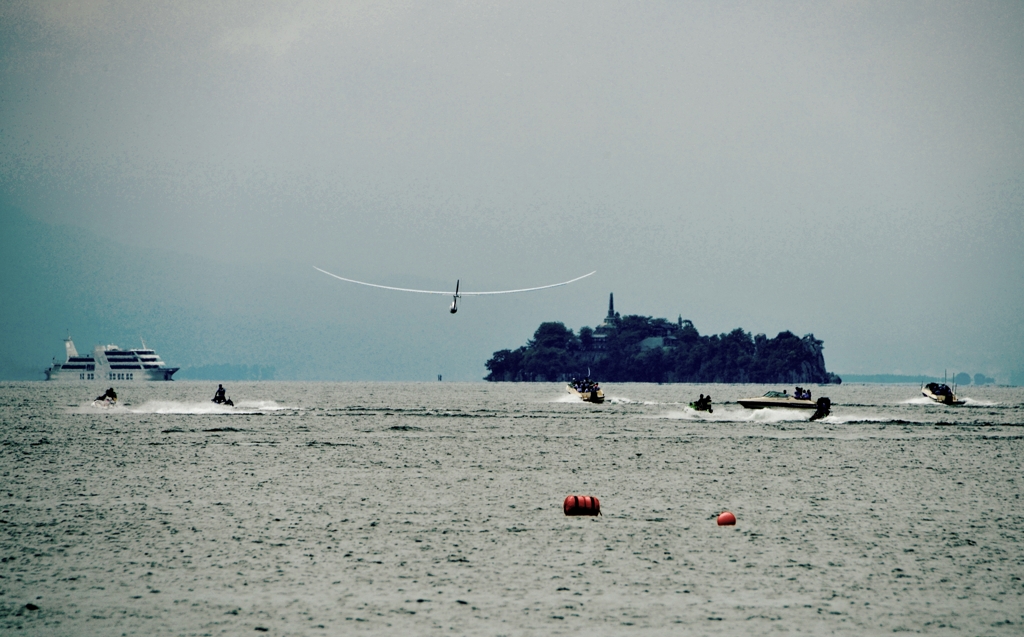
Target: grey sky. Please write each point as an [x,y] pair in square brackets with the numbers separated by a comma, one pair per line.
[852,170]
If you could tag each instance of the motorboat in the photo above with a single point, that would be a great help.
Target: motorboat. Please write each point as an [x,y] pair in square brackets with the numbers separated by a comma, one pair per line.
[941,393]
[587,390]
[774,399]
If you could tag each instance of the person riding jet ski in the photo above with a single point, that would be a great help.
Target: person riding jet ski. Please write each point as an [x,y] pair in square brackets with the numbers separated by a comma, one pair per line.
[220,398]
[106,400]
[702,404]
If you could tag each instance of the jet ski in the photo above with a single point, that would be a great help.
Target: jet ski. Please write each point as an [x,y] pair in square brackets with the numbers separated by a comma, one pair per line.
[220,398]
[106,400]
[702,404]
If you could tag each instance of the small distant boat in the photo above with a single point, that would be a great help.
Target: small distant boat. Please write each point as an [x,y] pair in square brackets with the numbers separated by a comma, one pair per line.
[587,390]
[774,399]
[941,393]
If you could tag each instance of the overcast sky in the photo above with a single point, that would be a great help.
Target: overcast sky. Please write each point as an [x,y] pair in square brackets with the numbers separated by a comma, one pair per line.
[848,169]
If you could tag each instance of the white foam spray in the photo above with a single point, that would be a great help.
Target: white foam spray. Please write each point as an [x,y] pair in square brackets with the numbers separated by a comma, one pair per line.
[920,400]
[971,402]
[721,414]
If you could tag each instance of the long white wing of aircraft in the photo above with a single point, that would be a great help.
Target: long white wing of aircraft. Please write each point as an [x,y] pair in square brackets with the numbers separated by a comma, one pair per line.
[449,293]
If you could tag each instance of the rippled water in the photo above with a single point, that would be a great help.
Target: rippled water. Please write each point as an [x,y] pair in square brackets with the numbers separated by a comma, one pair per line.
[328,508]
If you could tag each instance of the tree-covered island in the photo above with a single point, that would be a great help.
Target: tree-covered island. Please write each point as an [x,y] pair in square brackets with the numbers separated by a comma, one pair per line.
[649,350]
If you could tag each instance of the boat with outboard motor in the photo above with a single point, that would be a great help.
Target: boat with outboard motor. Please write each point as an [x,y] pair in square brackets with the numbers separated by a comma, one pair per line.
[586,390]
[110,362]
[773,399]
[780,399]
[941,393]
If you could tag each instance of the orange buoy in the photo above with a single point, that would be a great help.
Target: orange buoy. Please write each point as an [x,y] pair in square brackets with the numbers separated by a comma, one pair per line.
[726,519]
[581,505]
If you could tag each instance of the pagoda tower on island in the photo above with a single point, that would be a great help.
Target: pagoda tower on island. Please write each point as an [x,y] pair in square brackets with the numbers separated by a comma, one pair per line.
[609,321]
[608,326]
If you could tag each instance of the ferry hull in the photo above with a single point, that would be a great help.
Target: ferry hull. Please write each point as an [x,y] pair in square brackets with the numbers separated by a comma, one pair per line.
[86,375]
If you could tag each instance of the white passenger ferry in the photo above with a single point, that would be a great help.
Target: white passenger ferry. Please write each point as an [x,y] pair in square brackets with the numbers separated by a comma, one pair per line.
[110,362]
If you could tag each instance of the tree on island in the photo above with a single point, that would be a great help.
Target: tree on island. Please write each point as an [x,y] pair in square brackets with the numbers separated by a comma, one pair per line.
[644,349]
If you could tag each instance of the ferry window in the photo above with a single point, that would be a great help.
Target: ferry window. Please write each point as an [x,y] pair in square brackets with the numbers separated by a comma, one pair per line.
[81,377]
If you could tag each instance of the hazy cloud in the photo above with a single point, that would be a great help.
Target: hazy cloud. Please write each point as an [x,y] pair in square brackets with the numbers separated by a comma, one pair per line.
[851,169]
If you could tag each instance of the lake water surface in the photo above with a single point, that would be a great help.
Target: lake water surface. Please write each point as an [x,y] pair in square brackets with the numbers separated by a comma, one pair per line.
[415,508]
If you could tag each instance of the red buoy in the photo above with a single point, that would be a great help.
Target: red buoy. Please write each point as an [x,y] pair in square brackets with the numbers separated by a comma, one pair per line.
[726,519]
[581,505]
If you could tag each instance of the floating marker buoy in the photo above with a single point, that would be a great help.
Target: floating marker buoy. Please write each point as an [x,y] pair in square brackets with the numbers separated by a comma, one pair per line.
[581,505]
[726,519]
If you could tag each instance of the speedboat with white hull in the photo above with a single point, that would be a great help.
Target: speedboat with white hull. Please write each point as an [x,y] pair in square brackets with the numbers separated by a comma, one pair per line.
[110,362]
[941,393]
[774,399]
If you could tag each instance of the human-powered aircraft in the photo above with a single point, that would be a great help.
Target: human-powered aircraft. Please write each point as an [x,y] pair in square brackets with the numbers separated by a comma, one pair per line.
[458,295]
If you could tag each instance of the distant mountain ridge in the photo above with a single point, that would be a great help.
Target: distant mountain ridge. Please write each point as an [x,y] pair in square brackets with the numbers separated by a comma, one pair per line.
[227,371]
[895,379]
[644,349]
